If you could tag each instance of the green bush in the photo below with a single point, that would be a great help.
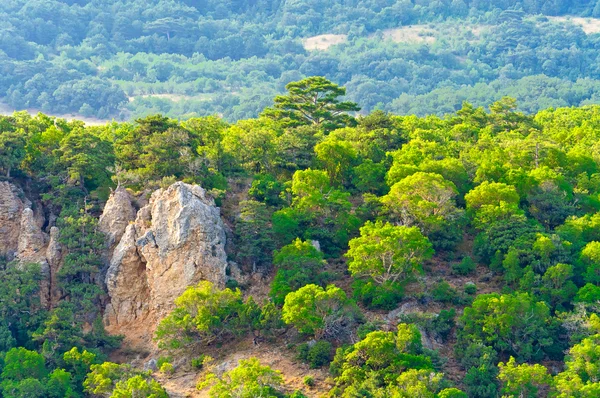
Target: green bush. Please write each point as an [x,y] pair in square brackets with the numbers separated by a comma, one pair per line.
[166,368]
[317,355]
[590,293]
[443,292]
[443,324]
[385,296]
[162,360]
[309,381]
[470,288]
[465,267]
[232,284]
[198,362]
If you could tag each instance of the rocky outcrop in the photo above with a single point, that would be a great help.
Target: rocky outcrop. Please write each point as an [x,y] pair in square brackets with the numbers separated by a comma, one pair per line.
[117,214]
[11,210]
[177,239]
[22,238]
[32,241]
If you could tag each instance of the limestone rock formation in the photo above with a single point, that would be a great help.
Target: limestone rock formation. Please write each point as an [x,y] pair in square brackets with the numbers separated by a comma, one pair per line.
[118,213]
[32,241]
[11,209]
[177,239]
[22,238]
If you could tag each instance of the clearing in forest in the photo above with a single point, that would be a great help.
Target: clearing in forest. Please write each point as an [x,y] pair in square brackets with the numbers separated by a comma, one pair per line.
[410,34]
[589,25]
[323,42]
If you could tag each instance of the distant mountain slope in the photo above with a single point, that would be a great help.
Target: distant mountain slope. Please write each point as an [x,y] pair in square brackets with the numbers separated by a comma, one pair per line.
[116,58]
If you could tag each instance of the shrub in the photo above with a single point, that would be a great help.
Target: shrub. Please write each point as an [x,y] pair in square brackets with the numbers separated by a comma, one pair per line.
[309,381]
[470,288]
[162,360]
[316,355]
[588,294]
[442,324]
[323,313]
[443,292]
[199,362]
[465,267]
[166,368]
[385,296]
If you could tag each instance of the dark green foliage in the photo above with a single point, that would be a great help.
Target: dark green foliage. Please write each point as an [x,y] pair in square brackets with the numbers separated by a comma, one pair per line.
[198,362]
[377,296]
[298,264]
[316,354]
[465,267]
[265,188]
[515,324]
[501,235]
[255,242]
[77,278]
[443,292]
[20,308]
[443,324]
[470,288]
[313,101]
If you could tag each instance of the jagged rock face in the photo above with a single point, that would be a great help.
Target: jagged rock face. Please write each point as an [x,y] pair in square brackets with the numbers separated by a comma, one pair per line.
[118,213]
[11,209]
[176,240]
[32,241]
[22,238]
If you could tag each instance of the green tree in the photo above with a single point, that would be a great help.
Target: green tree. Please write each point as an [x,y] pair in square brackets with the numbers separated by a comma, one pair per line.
[248,380]
[581,378]
[590,255]
[254,235]
[298,264]
[388,253]
[60,384]
[337,157]
[373,364]
[139,386]
[324,313]
[490,194]
[203,314]
[77,277]
[427,201]
[86,159]
[12,149]
[522,380]
[313,100]
[514,324]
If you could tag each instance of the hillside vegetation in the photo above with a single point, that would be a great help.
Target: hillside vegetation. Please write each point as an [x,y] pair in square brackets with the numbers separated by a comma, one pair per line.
[484,221]
[188,58]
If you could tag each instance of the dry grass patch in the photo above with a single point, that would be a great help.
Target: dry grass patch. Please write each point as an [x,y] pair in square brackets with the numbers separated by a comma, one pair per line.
[410,34]
[323,42]
[589,25]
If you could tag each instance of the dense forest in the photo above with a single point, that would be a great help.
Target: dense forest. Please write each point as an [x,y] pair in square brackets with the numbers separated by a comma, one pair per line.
[486,217]
[184,58]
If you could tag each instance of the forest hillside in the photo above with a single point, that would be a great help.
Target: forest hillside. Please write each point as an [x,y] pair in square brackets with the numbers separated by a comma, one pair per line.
[310,251]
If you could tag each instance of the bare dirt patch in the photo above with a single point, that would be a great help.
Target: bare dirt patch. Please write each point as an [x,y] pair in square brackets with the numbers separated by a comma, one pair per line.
[323,42]
[276,355]
[589,25]
[410,34]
